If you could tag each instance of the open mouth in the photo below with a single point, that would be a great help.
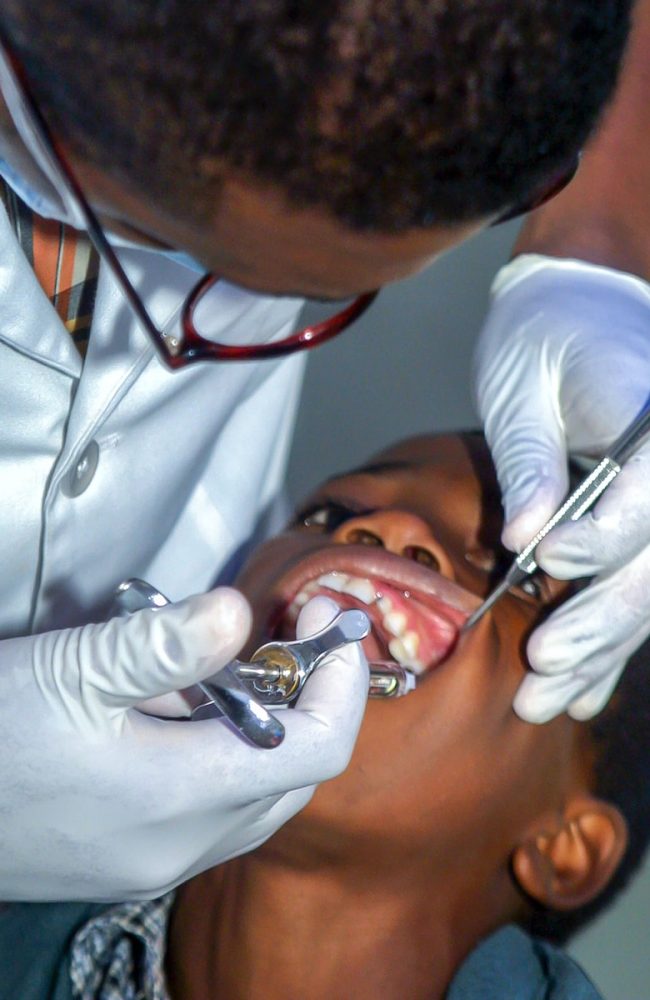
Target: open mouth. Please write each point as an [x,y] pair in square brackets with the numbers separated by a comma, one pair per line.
[411,625]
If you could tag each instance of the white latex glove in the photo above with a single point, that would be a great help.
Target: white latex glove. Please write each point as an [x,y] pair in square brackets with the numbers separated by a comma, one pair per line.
[102,802]
[563,365]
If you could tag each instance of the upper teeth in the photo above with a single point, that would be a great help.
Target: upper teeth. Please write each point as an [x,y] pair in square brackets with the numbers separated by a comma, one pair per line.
[404,646]
[356,586]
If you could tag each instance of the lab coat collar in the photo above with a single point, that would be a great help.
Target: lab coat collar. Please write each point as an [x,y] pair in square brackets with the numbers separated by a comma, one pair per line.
[28,321]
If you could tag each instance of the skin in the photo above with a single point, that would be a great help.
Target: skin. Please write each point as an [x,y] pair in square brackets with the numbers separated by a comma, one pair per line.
[604,214]
[254,237]
[443,787]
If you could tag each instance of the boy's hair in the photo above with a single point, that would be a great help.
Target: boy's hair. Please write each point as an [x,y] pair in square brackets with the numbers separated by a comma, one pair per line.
[621,736]
[392,114]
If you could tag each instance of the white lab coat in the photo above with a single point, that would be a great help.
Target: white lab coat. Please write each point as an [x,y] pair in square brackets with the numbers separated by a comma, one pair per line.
[186,461]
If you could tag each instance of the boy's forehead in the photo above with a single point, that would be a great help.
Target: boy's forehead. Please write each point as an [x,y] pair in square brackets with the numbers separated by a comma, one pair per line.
[462,457]
[453,449]
[448,479]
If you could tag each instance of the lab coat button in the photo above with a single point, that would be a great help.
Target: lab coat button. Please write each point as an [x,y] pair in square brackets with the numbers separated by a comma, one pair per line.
[81,476]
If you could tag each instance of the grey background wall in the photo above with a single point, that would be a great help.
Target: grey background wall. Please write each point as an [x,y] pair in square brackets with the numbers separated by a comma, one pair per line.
[404,369]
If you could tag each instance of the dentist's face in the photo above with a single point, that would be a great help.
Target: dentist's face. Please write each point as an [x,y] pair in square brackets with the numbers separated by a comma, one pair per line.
[253,236]
[415,543]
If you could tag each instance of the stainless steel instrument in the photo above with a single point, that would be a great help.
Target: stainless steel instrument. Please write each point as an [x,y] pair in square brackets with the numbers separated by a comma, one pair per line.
[576,504]
[275,674]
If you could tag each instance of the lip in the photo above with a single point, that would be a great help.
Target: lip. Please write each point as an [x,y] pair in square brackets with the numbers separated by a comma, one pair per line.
[434,592]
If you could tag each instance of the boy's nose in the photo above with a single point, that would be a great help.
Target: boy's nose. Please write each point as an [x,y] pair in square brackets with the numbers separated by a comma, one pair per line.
[399,532]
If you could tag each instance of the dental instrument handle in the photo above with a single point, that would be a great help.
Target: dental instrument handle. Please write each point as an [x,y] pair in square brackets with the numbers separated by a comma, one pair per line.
[575,505]
[247,715]
[279,669]
[348,626]
[226,692]
[514,576]
[633,435]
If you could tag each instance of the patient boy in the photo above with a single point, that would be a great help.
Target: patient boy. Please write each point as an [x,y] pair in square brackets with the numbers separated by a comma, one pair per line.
[454,818]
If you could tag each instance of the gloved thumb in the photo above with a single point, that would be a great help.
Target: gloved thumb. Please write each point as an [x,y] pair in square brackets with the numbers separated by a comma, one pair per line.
[151,652]
[518,379]
[531,465]
[316,615]
[337,692]
[530,503]
[524,433]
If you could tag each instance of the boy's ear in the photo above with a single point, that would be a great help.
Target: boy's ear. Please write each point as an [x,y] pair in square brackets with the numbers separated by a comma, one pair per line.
[569,866]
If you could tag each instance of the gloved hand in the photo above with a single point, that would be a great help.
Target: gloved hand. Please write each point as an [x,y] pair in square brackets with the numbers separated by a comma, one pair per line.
[563,365]
[103,802]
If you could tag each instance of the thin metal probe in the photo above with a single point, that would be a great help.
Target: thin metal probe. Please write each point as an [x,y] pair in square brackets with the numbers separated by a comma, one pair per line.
[575,505]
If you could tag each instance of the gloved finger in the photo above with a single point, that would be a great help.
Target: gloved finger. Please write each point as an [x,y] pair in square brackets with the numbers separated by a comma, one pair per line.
[127,660]
[593,700]
[286,806]
[598,627]
[323,696]
[530,460]
[175,705]
[579,693]
[609,536]
[318,743]
[540,495]
[540,699]
[258,830]
[315,615]
[523,427]
[605,379]
[320,731]
[322,728]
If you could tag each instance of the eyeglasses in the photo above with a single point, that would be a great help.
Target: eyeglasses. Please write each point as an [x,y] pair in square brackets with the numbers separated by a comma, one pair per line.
[176,352]
[191,346]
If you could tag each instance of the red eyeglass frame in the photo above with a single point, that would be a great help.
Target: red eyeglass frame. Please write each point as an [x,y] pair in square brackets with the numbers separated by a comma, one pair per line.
[194,347]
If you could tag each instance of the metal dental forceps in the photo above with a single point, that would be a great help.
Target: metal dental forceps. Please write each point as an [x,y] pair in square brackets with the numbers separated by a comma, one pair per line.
[275,675]
[575,505]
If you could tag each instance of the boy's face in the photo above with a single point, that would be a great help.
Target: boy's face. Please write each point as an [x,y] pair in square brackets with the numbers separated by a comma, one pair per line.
[450,762]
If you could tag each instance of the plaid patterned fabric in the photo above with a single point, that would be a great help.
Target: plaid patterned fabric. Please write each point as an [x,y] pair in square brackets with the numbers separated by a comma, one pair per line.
[120,954]
[64,261]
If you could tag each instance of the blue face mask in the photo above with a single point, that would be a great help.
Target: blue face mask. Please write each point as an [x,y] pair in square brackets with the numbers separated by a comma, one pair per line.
[178,256]
[185,260]
[38,200]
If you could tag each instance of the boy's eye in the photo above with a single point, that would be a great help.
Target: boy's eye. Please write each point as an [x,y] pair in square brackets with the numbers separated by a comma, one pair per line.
[532,587]
[327,515]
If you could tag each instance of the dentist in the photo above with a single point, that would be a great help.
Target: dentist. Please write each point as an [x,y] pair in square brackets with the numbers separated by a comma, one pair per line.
[294,152]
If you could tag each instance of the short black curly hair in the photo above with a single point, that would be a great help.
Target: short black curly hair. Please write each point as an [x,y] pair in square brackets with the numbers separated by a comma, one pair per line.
[391,114]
